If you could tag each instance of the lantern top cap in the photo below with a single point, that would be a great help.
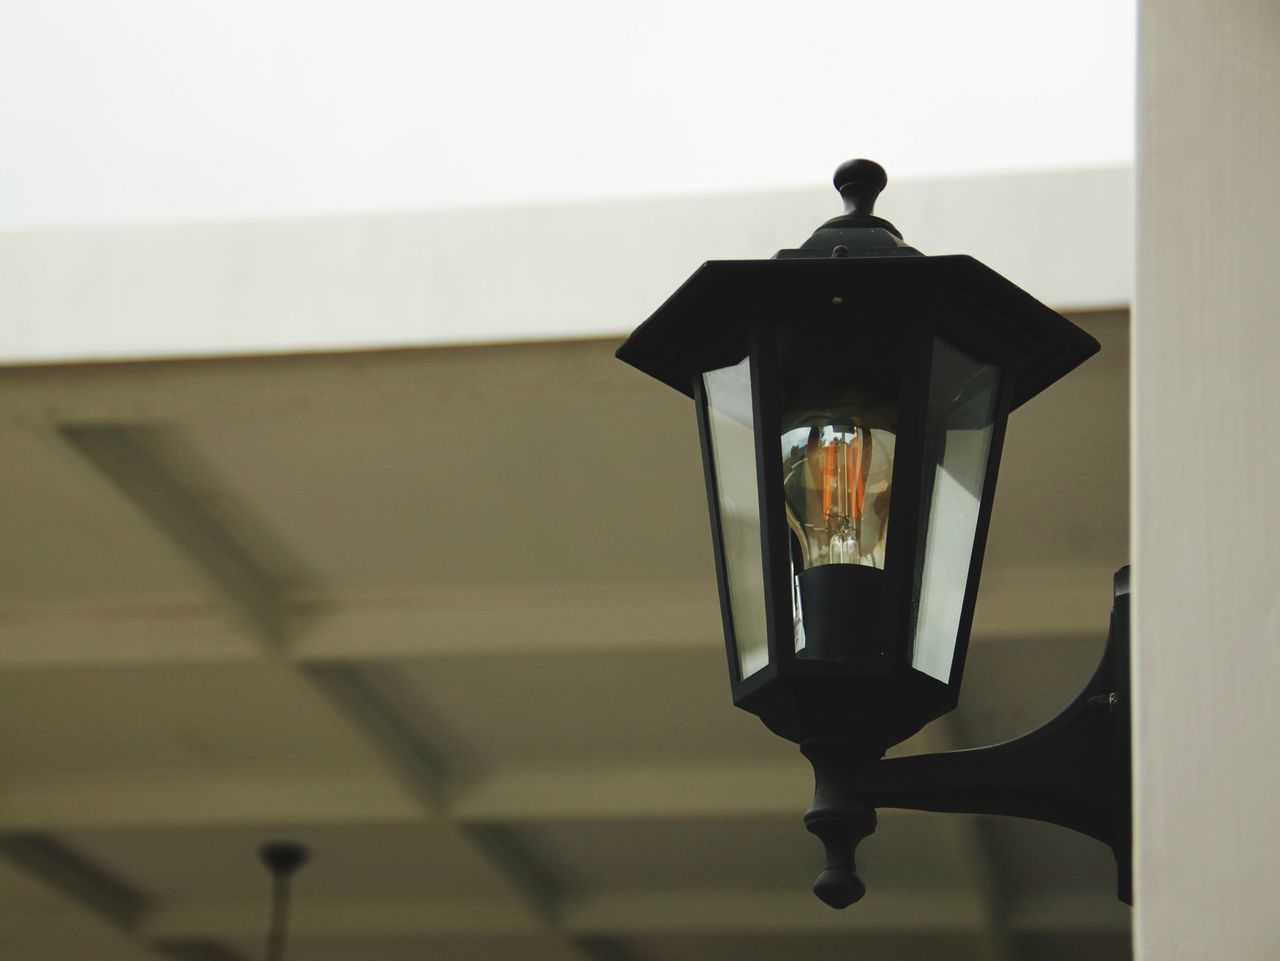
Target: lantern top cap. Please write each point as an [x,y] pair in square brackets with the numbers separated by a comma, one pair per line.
[857,228]
[704,324]
[860,183]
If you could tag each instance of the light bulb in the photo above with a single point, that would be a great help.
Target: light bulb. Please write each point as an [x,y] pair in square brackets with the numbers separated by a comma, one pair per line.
[836,483]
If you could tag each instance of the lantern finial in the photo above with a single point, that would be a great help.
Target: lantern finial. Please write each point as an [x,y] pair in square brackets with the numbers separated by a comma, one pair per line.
[860,183]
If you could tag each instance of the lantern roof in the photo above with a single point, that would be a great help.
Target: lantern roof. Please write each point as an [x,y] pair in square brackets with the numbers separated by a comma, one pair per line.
[857,265]
[704,323]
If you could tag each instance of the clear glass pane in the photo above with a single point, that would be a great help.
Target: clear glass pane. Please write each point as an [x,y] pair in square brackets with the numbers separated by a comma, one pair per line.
[961,416]
[733,452]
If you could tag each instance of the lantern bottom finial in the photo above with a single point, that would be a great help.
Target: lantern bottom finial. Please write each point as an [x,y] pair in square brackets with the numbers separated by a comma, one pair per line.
[839,887]
[839,817]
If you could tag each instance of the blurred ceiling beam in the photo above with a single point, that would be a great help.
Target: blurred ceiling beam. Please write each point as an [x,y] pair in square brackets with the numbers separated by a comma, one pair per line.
[314,917]
[957,912]
[250,602]
[648,913]
[81,911]
[510,797]
[207,800]
[468,623]
[427,379]
[239,589]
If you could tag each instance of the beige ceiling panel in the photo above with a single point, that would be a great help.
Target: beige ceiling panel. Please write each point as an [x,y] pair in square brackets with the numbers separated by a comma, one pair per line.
[1012,687]
[351,860]
[773,854]
[38,922]
[1035,856]
[503,552]
[842,946]
[68,539]
[565,488]
[481,947]
[114,722]
[19,890]
[569,709]
[1062,500]
[532,795]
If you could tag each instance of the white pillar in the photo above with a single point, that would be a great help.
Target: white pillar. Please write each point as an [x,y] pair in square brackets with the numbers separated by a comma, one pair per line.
[1206,448]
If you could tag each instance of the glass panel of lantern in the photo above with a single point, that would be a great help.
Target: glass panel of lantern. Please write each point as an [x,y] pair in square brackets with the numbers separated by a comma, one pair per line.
[729,430]
[959,426]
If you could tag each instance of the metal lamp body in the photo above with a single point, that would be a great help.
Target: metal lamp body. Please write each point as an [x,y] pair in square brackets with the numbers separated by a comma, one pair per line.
[857,670]
[848,651]
[852,288]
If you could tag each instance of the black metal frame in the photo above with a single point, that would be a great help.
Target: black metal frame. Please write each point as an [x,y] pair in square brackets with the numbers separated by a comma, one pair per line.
[845,711]
[901,696]
[706,321]
[1074,771]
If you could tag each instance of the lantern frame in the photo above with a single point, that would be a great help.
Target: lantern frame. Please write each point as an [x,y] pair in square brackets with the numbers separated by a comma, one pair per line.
[730,310]
[1075,770]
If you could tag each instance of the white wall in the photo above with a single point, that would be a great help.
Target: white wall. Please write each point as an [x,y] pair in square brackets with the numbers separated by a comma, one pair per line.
[566,270]
[1206,516]
[129,111]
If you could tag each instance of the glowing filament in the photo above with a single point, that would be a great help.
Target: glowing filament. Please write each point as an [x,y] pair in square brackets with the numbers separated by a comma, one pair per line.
[836,481]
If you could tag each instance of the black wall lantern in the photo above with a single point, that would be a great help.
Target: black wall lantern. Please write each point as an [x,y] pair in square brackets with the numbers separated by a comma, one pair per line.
[852,397]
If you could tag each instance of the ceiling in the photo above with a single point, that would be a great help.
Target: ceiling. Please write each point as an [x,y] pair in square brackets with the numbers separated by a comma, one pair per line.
[448,617]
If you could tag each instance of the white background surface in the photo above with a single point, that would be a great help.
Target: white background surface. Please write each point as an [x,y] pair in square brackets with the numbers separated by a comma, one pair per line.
[153,110]
[1206,526]
[537,273]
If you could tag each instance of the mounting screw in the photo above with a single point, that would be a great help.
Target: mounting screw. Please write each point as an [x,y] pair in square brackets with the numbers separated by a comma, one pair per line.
[1109,701]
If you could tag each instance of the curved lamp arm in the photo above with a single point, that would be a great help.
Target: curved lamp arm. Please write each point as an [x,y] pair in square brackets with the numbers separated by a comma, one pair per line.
[1073,771]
